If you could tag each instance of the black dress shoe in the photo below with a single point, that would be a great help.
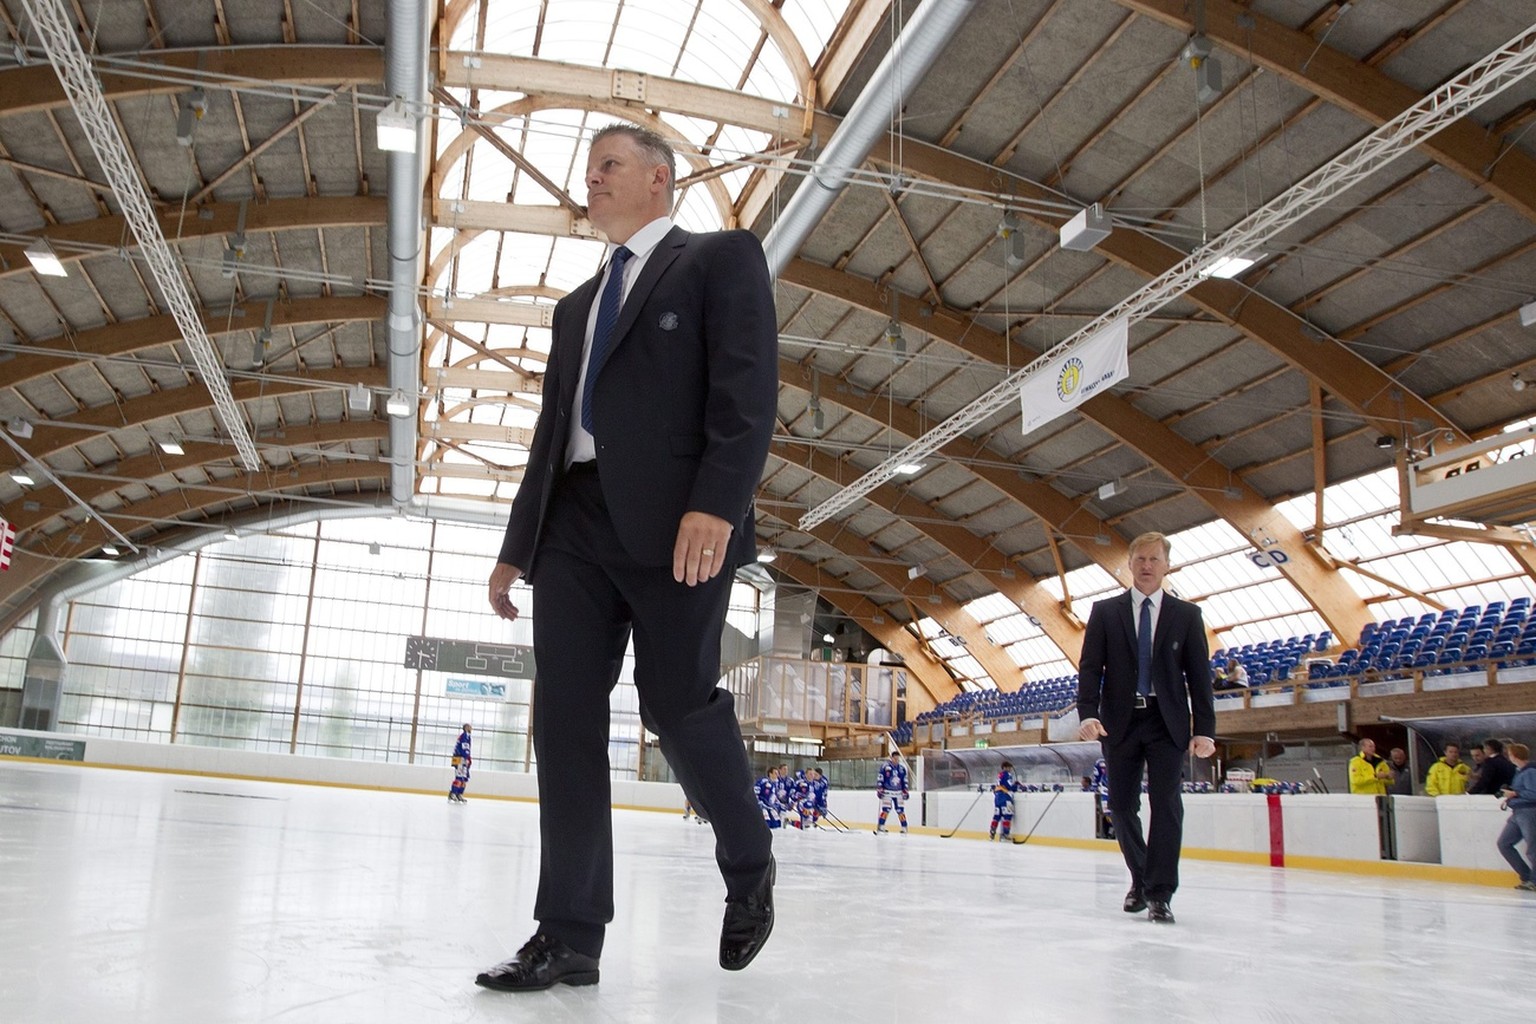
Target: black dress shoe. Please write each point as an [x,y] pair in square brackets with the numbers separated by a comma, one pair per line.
[541,962]
[1135,902]
[1159,911]
[748,923]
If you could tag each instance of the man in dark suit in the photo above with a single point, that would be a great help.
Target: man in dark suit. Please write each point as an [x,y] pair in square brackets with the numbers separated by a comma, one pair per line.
[1145,669]
[633,514]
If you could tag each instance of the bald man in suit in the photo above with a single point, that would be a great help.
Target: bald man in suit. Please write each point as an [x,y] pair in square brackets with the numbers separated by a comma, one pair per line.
[634,513]
[1144,691]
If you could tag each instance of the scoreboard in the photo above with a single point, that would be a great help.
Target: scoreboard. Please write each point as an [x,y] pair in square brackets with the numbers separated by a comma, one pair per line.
[467,657]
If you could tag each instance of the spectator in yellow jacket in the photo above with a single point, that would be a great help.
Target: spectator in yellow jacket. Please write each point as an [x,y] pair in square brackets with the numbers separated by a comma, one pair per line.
[1448,776]
[1369,773]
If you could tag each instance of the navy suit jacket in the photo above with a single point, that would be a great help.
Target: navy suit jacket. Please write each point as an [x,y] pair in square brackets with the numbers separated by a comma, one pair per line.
[683,405]
[1181,669]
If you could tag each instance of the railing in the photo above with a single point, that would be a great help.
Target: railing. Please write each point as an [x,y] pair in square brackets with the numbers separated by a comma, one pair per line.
[970,727]
[1375,683]
[788,696]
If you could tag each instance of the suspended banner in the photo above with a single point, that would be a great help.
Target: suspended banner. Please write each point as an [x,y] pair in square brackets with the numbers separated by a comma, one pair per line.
[1086,369]
[7,543]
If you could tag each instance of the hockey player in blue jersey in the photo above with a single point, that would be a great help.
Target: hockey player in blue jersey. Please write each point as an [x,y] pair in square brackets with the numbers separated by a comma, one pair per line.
[795,790]
[785,790]
[768,797]
[1002,801]
[814,800]
[1101,790]
[891,788]
[461,763]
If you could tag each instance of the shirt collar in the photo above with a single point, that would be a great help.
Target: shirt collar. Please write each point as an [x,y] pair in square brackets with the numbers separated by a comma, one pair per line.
[1156,597]
[647,238]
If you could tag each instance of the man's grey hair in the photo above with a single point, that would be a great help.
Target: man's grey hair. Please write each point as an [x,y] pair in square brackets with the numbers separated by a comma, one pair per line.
[1147,540]
[655,148]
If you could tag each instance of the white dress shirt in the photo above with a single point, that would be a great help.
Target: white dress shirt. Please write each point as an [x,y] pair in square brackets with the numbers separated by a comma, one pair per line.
[581,447]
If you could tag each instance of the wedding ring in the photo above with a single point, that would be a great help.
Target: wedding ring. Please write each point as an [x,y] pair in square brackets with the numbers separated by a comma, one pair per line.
[707,551]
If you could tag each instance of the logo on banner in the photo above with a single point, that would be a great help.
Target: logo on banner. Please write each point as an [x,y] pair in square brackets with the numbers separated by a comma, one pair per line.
[1067,380]
[1070,379]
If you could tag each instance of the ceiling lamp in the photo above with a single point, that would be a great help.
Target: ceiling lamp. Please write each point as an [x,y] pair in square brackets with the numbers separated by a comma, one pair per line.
[1090,227]
[21,476]
[1207,72]
[1528,315]
[44,260]
[263,338]
[397,404]
[1230,266]
[193,106]
[909,468]
[359,398]
[395,128]
[766,555]
[172,447]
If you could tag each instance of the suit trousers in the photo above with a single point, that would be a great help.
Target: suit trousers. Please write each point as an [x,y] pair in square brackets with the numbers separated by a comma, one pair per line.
[1153,856]
[589,597]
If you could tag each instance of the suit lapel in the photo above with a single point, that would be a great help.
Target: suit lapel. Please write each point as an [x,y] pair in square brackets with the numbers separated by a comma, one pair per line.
[1127,617]
[666,252]
[574,339]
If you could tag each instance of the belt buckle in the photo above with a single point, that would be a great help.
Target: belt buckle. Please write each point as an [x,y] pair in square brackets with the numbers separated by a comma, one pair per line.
[1141,703]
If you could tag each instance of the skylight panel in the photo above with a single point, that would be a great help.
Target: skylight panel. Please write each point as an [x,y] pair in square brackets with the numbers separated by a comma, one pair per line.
[991,607]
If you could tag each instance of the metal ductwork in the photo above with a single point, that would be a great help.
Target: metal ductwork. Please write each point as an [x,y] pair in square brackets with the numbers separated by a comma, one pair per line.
[405,76]
[908,61]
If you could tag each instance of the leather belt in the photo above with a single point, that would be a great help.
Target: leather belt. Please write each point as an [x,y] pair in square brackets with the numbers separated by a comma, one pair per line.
[1142,703]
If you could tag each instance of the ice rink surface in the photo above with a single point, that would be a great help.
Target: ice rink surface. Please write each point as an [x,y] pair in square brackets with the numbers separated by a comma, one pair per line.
[133,897]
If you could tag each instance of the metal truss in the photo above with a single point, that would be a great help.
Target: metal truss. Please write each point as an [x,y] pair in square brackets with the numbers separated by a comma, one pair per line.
[1480,82]
[56,30]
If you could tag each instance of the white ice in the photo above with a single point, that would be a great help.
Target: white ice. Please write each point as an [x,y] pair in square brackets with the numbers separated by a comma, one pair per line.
[135,897]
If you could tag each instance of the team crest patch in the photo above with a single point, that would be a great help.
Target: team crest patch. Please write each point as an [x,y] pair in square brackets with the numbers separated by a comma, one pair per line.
[668,322]
[1069,379]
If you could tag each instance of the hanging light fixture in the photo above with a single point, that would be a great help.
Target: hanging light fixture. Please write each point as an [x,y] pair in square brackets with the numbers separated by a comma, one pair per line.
[359,398]
[395,129]
[1230,266]
[397,404]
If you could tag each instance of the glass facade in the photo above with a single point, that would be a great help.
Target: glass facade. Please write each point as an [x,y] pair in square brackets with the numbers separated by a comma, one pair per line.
[294,642]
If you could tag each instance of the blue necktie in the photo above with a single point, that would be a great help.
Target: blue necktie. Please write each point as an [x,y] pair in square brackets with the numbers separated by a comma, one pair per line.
[1144,650]
[602,332]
